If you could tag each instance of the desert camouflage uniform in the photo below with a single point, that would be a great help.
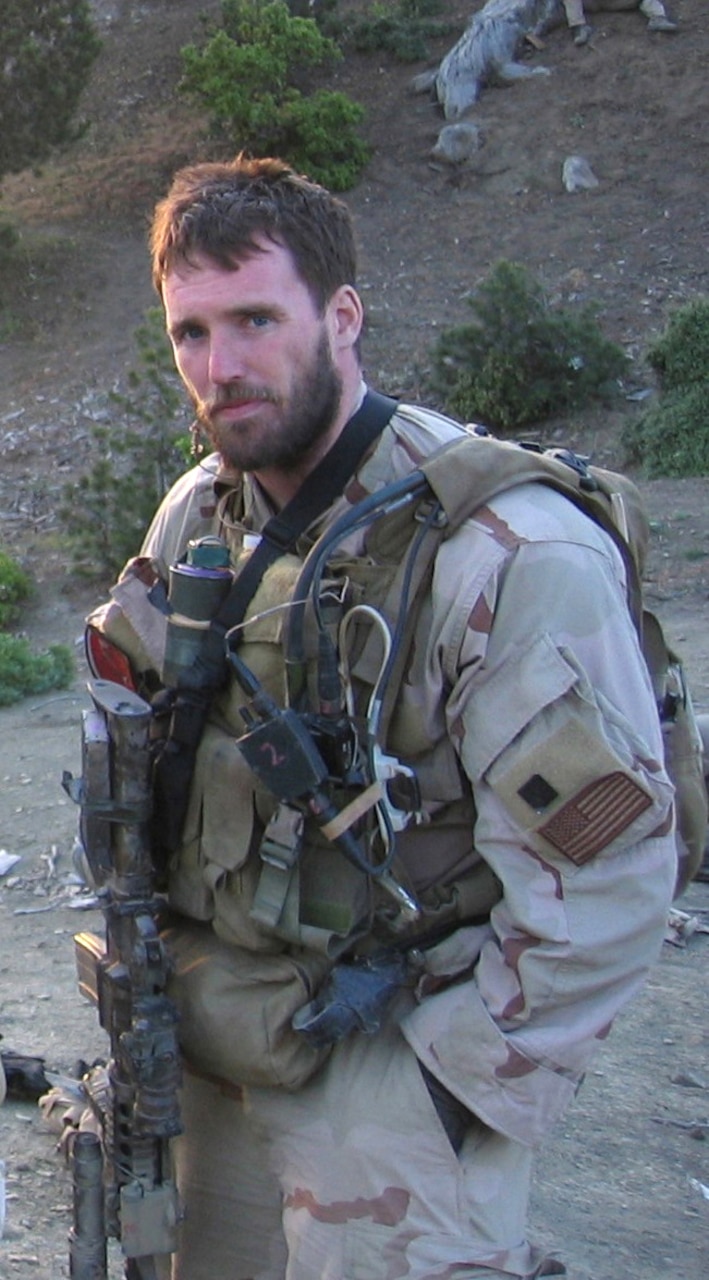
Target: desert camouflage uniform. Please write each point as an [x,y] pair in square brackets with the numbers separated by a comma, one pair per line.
[527,662]
[575,15]
[703,724]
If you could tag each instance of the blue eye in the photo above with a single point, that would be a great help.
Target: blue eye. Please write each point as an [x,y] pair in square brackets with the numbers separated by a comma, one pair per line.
[188,333]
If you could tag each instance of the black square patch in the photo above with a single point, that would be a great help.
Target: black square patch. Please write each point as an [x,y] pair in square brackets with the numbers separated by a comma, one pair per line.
[538,793]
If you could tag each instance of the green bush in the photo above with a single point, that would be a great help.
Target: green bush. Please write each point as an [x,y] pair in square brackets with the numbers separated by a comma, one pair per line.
[48,50]
[107,510]
[402,30]
[522,360]
[672,437]
[23,672]
[9,239]
[249,77]
[317,136]
[680,356]
[10,268]
[14,589]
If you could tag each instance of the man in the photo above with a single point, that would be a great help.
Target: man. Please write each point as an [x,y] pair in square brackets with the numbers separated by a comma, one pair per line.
[703,724]
[514,937]
[654,11]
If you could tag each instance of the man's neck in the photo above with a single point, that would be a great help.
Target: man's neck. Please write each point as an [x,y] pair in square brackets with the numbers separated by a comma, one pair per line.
[281,486]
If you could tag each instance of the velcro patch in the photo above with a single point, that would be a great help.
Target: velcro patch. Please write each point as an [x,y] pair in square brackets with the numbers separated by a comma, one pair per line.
[595,816]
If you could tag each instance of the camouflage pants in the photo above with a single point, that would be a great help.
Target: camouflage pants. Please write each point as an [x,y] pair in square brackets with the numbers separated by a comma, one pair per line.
[350,1178]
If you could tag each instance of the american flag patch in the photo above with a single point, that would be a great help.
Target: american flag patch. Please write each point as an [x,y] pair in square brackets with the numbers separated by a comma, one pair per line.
[595,817]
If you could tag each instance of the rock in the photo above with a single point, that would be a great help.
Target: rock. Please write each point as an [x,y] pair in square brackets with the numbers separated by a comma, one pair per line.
[689,1080]
[456,143]
[577,174]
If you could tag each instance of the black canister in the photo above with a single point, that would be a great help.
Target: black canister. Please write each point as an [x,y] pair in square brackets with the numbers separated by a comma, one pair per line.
[197,587]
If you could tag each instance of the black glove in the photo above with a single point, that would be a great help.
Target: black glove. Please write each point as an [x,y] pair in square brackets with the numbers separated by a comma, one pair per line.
[455,1118]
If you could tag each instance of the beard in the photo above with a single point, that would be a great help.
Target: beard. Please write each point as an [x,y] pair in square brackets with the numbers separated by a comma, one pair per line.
[305,417]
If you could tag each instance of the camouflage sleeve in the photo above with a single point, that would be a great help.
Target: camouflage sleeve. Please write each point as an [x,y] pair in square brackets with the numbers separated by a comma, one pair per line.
[130,619]
[186,512]
[554,720]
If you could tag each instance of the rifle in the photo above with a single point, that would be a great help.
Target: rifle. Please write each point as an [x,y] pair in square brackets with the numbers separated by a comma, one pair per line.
[129,1194]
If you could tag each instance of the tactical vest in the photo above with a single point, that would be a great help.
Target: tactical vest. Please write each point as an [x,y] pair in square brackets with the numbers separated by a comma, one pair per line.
[233,867]
[223,872]
[262,901]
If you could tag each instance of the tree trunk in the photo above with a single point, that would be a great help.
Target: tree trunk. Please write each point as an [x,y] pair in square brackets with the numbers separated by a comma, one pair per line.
[486,51]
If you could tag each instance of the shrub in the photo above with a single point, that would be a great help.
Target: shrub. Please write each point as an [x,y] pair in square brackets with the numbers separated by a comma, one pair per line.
[248,77]
[14,589]
[107,510]
[680,356]
[10,268]
[23,672]
[9,239]
[522,360]
[672,437]
[402,30]
[48,50]
[318,137]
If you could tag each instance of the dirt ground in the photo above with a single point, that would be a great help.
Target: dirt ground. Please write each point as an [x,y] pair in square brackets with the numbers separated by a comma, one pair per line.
[619,1187]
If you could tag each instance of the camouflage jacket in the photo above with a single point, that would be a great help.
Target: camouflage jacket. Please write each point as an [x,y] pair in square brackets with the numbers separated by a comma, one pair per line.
[528,679]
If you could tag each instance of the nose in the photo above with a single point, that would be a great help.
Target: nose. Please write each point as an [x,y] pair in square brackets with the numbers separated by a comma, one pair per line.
[226,361]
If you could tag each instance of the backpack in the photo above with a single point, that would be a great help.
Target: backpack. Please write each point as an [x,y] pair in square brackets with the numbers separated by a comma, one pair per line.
[469,472]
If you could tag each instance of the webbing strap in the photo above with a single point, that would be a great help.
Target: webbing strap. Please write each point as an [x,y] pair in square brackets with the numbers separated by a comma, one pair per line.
[318,491]
[280,534]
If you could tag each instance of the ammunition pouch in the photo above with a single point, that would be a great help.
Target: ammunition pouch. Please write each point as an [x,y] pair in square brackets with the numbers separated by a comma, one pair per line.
[236,1008]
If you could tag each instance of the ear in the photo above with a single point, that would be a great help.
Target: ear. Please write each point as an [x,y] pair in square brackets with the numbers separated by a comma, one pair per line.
[345,315]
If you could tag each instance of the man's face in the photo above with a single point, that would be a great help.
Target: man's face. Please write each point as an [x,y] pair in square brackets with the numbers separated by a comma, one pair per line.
[255,357]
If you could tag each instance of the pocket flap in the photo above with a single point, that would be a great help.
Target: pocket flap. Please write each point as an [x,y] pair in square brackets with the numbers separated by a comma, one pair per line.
[512,695]
[566,766]
[224,784]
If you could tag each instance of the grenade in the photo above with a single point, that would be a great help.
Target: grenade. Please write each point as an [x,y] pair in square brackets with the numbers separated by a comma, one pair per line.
[197,587]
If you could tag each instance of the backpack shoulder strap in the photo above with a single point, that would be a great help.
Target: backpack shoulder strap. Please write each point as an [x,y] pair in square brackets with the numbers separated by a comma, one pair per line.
[468,473]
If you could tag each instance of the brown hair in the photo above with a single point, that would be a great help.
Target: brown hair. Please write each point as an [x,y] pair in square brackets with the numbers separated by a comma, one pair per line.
[221,209]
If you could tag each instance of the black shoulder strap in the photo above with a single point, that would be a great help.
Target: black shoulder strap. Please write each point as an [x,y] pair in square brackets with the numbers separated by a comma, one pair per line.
[280,534]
